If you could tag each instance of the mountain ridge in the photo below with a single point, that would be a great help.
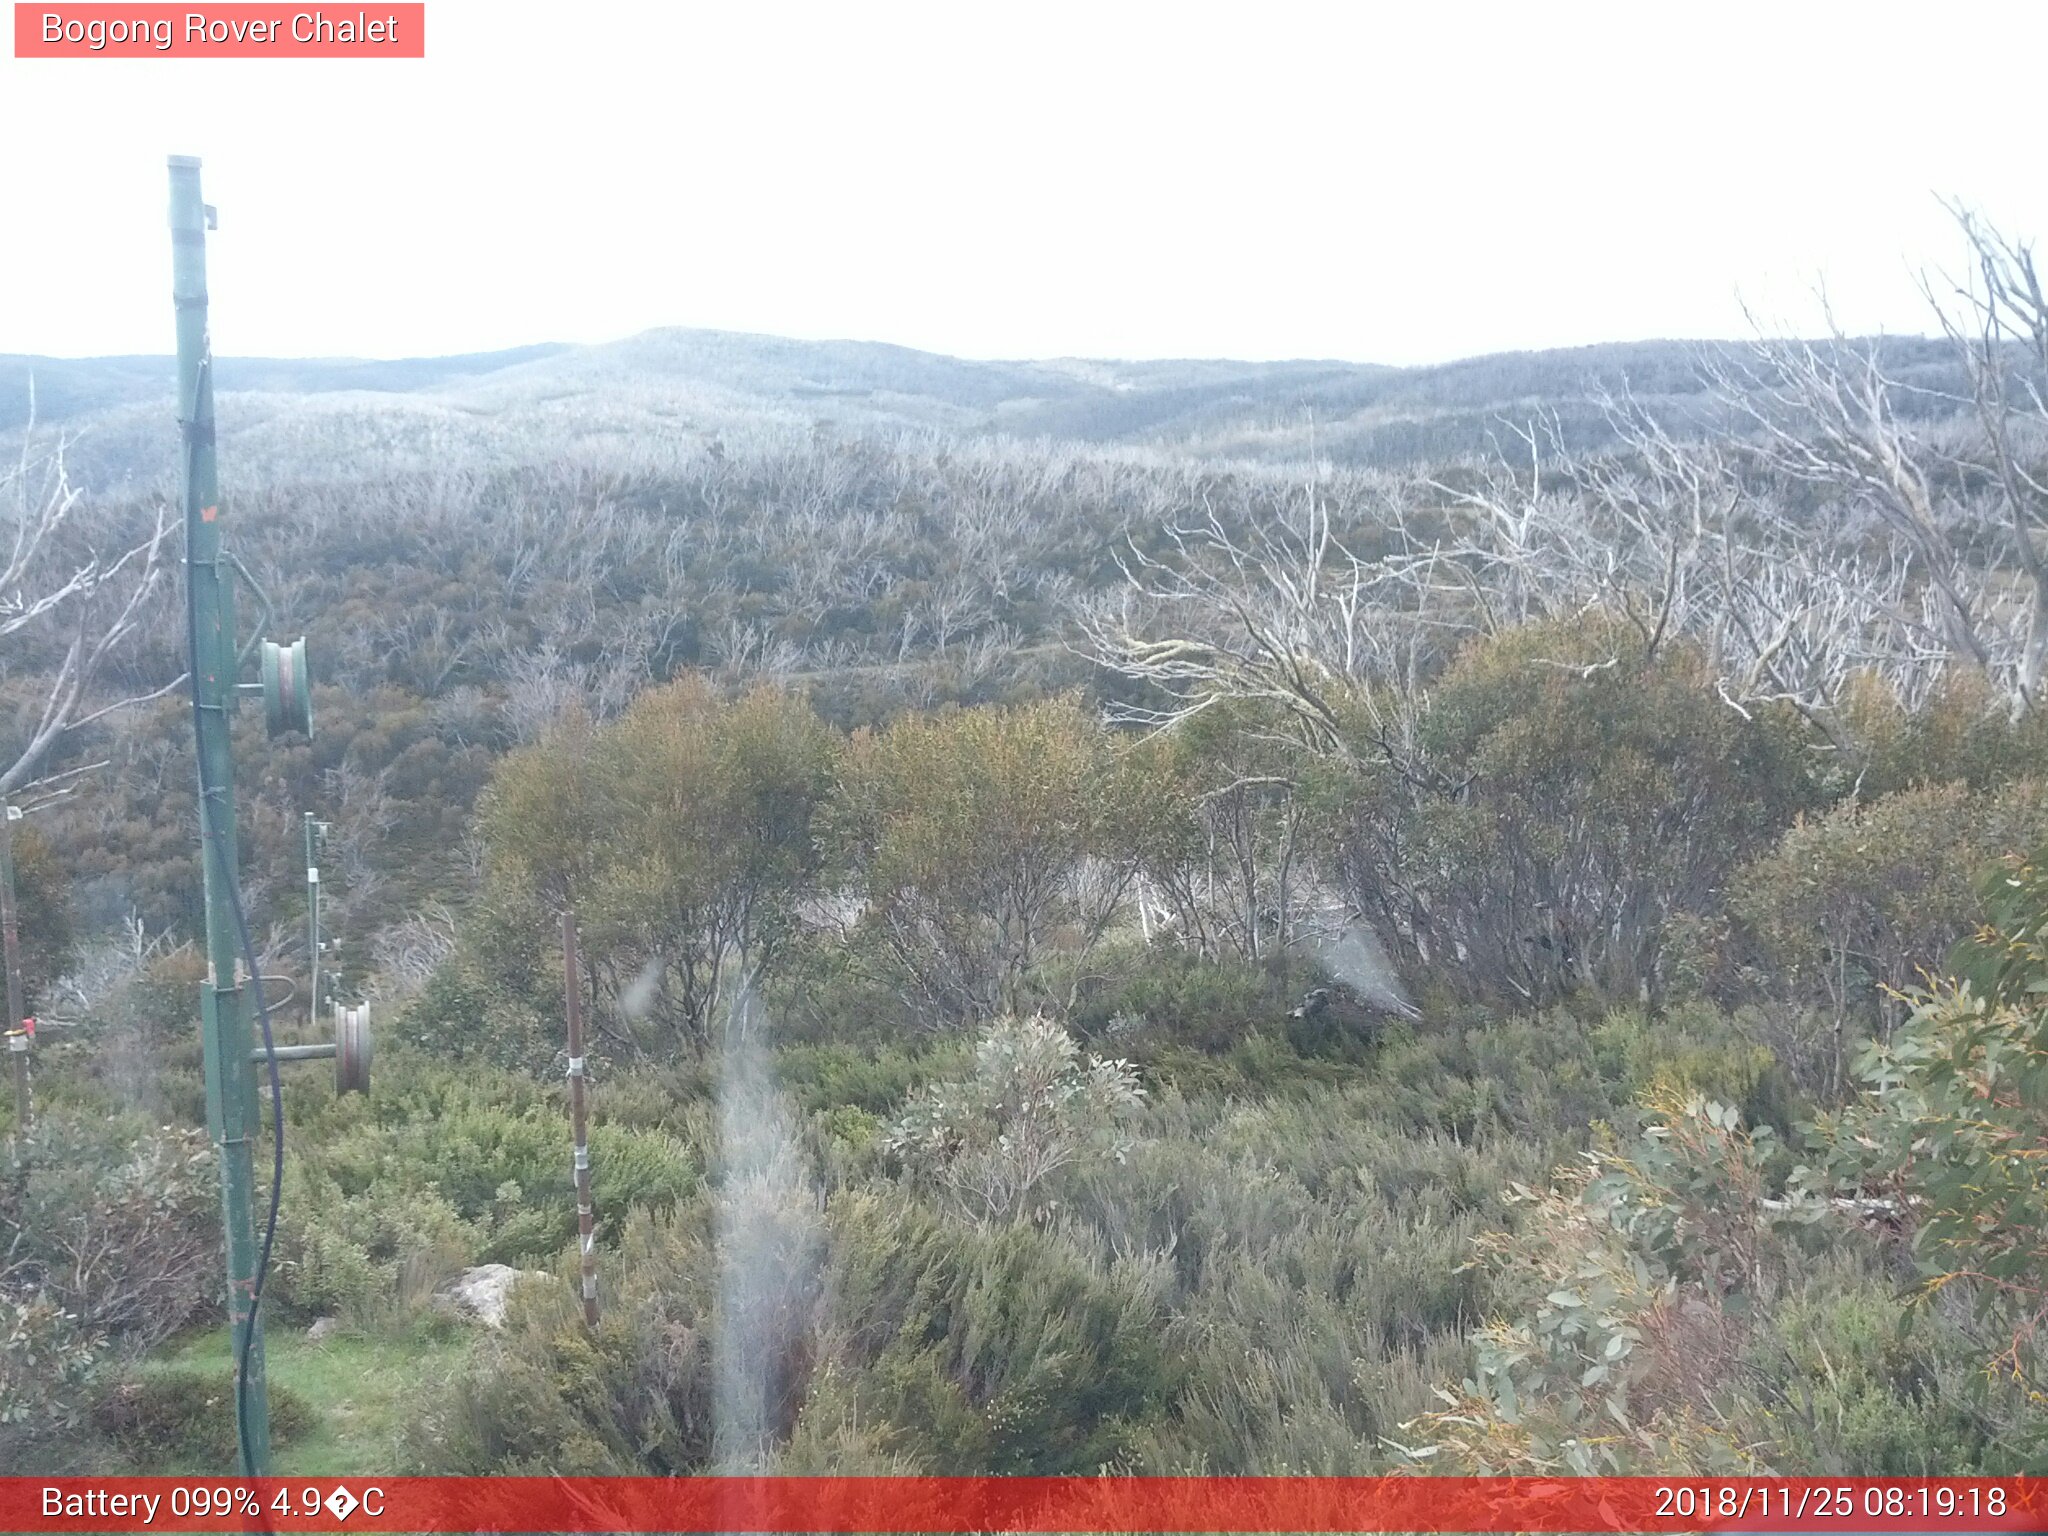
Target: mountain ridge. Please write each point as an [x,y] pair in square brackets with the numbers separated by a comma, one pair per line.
[679,378]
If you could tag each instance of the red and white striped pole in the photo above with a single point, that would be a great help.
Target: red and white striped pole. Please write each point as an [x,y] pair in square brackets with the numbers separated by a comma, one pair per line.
[586,1215]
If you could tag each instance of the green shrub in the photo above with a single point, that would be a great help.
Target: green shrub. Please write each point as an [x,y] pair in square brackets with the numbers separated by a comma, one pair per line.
[825,992]
[1843,1391]
[46,1363]
[144,1052]
[449,1164]
[117,1222]
[991,1350]
[1695,1049]
[467,1013]
[1856,908]
[1567,795]
[1029,1108]
[874,1078]
[683,830]
[1962,733]
[184,1421]
[1629,1294]
[985,843]
[549,1397]
[372,1259]
[45,931]
[961,1348]
[1951,1128]
[848,1145]
[1157,996]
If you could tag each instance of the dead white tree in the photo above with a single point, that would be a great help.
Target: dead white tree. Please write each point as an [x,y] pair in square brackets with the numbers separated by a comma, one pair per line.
[1787,608]
[1955,518]
[60,589]
[408,953]
[1667,534]
[540,686]
[1998,319]
[1278,609]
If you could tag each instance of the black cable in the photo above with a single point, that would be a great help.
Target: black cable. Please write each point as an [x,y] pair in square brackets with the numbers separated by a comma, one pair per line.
[209,840]
[276,1172]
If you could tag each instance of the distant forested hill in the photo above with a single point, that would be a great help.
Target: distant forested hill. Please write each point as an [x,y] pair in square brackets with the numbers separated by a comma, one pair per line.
[67,388]
[670,383]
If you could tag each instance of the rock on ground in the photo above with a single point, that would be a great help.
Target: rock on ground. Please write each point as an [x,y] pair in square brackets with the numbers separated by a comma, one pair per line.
[482,1292]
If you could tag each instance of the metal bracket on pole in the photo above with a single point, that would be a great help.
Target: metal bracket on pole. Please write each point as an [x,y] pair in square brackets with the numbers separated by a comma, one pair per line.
[350,1050]
[263,601]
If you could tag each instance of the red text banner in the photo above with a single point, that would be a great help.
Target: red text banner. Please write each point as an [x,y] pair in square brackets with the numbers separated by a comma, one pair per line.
[955,1506]
[223,31]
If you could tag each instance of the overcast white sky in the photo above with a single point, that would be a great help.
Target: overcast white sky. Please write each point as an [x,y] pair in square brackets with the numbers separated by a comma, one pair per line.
[1381,182]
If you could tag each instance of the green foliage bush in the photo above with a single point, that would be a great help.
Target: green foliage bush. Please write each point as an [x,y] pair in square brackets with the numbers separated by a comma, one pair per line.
[111,1244]
[184,1421]
[1568,796]
[46,1361]
[142,1052]
[1854,909]
[1962,733]
[1951,1132]
[824,991]
[993,1349]
[547,1396]
[1688,1300]
[875,1079]
[443,1166]
[682,835]
[1154,996]
[1225,831]
[985,843]
[1697,1050]
[1309,1258]
[1268,1283]
[1848,1393]
[489,1002]
[1030,1108]
[44,923]
[116,1222]
[1630,1293]
[1273,1279]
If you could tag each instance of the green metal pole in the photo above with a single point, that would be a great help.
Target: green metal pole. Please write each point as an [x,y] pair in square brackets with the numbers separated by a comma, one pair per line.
[223,1000]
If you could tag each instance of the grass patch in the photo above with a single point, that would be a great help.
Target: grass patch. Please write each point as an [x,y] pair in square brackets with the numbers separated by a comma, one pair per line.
[363,1393]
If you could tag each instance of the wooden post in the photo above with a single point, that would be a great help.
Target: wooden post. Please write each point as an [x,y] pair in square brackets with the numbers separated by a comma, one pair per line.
[13,1027]
[10,942]
[586,1216]
[24,1111]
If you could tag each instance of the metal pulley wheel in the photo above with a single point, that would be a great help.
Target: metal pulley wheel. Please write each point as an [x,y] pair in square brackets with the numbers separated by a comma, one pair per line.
[352,1049]
[287,688]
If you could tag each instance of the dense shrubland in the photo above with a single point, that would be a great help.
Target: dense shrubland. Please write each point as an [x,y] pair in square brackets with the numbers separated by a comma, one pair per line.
[1259,1230]
[1107,958]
